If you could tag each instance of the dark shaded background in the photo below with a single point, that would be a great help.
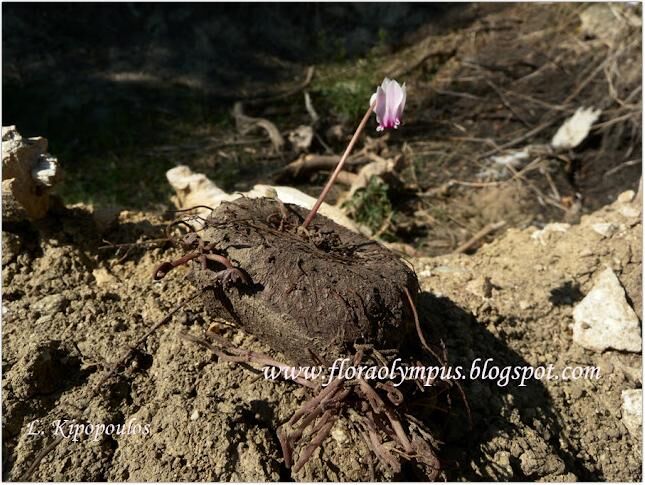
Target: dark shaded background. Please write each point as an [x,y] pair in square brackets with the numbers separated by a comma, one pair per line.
[72,60]
[104,82]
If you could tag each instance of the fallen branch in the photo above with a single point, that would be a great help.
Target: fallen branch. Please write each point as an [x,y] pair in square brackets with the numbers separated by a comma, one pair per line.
[516,141]
[307,164]
[245,124]
[488,229]
[623,165]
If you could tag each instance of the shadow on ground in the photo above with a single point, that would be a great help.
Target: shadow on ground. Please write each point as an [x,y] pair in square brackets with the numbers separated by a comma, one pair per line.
[522,417]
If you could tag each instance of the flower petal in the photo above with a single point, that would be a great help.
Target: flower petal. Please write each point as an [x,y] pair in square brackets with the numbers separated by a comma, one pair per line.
[381,105]
[394,95]
[401,107]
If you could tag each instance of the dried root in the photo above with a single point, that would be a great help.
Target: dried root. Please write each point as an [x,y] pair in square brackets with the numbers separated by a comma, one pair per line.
[229,276]
[388,432]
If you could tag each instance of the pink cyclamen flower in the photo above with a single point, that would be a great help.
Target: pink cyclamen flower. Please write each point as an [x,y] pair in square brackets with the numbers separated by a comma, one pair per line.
[390,101]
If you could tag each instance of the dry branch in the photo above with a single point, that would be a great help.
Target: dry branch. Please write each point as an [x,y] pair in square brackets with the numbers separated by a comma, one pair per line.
[246,124]
[485,231]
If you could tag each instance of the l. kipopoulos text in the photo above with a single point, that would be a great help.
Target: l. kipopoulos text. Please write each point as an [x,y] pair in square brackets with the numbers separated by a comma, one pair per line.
[397,372]
[74,431]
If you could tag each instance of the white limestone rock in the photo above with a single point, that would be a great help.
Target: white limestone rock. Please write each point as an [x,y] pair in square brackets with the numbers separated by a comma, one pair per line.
[630,211]
[544,235]
[195,189]
[604,320]
[575,129]
[626,197]
[28,175]
[605,229]
[632,411]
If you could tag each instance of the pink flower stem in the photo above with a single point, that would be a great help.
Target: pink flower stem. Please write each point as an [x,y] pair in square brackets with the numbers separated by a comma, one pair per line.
[338,168]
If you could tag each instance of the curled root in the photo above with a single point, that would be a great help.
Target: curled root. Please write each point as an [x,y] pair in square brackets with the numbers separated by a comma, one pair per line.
[316,418]
[228,277]
[385,430]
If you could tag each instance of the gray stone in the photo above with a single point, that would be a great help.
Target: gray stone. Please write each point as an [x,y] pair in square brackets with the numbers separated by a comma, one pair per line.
[28,175]
[626,197]
[604,320]
[630,211]
[544,235]
[632,409]
[301,138]
[605,229]
[50,304]
[46,171]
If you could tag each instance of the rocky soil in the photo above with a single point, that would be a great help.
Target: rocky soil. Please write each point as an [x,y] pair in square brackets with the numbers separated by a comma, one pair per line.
[70,309]
[487,84]
[514,301]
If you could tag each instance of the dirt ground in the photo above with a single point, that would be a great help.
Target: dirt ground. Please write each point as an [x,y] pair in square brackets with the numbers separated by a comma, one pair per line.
[216,421]
[475,91]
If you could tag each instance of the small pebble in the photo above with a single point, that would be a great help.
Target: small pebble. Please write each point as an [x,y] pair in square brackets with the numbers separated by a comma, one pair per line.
[542,235]
[605,229]
[629,211]
[626,197]
[339,435]
[50,304]
[102,276]
[576,392]
[632,409]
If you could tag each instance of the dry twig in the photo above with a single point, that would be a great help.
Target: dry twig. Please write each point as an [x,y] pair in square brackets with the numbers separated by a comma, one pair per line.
[485,231]
[245,124]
